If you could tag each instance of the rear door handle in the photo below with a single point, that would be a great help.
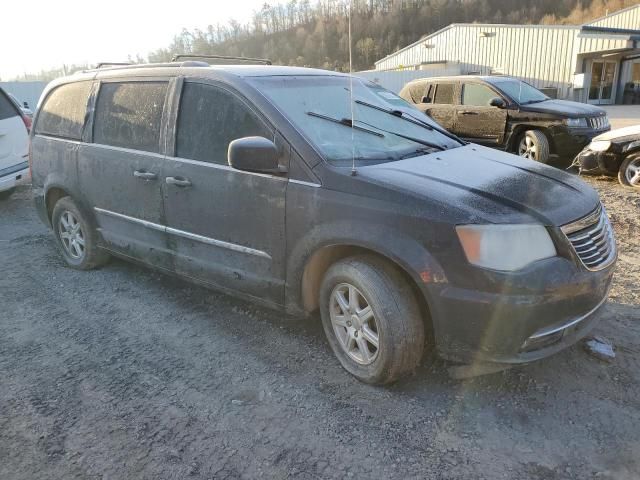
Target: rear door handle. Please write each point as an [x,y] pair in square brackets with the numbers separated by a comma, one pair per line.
[145,175]
[178,181]
[469,113]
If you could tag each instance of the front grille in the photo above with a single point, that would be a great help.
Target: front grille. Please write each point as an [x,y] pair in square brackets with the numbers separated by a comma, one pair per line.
[592,239]
[598,123]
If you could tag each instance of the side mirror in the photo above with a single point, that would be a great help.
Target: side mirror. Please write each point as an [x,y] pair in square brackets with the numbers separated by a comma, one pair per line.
[497,102]
[253,154]
[425,100]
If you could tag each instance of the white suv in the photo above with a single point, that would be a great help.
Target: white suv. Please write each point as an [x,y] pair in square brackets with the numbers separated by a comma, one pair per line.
[14,146]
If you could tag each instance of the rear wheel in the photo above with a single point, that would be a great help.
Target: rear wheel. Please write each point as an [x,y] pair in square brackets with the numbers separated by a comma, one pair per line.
[7,193]
[76,237]
[371,319]
[629,173]
[534,145]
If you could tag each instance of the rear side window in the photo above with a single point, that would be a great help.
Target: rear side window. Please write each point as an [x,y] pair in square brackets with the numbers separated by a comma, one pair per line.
[63,112]
[477,95]
[7,108]
[444,94]
[417,91]
[129,115]
[209,119]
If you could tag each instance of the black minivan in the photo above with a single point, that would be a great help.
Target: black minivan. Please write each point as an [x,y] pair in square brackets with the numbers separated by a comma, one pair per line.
[311,190]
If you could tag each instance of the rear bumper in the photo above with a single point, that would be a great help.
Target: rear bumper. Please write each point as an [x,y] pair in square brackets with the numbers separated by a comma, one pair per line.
[39,203]
[513,327]
[9,176]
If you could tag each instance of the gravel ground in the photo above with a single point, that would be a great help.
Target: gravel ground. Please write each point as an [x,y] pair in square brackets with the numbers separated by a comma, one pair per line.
[124,373]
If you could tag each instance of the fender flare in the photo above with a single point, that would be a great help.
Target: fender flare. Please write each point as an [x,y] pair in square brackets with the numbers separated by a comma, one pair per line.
[402,250]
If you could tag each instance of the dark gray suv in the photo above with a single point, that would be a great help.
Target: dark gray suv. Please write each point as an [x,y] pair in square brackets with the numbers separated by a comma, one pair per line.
[311,190]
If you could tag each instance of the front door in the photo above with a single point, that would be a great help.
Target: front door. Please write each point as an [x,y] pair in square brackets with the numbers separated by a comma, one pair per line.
[603,74]
[476,120]
[225,227]
[120,169]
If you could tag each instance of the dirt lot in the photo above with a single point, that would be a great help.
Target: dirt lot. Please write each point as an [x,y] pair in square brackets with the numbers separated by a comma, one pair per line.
[124,373]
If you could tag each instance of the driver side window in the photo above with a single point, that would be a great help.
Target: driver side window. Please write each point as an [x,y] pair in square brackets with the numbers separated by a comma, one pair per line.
[477,95]
[209,119]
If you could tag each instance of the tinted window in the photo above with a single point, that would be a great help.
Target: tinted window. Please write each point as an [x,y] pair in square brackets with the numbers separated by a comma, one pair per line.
[444,94]
[477,95]
[63,112]
[7,109]
[209,119]
[129,115]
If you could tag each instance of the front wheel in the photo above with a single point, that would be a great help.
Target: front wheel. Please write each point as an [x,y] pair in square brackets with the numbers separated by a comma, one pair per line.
[371,319]
[629,173]
[534,145]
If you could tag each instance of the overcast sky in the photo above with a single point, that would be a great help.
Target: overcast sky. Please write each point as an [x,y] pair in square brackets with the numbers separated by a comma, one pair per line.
[43,34]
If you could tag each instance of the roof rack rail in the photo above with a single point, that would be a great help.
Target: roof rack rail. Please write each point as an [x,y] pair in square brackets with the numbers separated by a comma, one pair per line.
[112,64]
[225,59]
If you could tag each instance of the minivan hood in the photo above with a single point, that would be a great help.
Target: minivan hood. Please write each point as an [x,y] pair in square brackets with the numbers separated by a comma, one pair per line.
[488,186]
[564,108]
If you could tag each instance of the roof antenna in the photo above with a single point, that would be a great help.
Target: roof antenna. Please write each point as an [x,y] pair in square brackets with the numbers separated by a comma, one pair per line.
[353,144]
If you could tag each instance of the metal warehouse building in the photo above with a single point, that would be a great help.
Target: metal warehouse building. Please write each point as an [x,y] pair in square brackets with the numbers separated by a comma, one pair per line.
[598,62]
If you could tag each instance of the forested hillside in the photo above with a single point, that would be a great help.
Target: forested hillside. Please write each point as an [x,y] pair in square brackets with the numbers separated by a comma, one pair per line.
[315,32]
[304,32]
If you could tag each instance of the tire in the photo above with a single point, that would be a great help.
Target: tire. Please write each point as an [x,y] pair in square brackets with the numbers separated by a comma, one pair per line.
[5,194]
[534,145]
[394,319]
[71,226]
[629,173]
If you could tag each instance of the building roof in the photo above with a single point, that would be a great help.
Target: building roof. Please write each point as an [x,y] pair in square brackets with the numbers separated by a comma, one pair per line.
[590,27]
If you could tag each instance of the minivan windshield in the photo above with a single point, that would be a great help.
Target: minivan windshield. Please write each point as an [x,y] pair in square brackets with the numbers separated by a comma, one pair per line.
[520,91]
[386,128]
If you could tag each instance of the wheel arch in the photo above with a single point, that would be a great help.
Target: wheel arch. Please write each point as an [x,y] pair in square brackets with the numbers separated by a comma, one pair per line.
[519,130]
[53,194]
[418,268]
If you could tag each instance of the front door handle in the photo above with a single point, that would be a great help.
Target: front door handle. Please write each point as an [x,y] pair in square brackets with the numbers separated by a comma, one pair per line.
[145,175]
[469,113]
[178,181]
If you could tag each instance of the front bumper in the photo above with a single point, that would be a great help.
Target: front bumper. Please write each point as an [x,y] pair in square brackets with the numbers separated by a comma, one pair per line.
[598,163]
[517,326]
[568,142]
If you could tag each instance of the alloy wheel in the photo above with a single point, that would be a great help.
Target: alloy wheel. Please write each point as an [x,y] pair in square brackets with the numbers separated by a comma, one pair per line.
[71,235]
[354,323]
[528,148]
[632,173]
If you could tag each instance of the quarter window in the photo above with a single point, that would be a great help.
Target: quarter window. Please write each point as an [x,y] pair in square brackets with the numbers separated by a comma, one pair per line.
[444,94]
[477,95]
[210,118]
[417,92]
[129,115]
[64,110]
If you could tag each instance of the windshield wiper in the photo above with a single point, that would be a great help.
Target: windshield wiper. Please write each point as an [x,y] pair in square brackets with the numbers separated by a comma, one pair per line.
[409,118]
[426,143]
[346,122]
[416,153]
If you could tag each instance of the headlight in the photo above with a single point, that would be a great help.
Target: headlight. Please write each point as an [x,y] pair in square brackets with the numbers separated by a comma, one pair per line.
[505,247]
[599,146]
[576,122]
